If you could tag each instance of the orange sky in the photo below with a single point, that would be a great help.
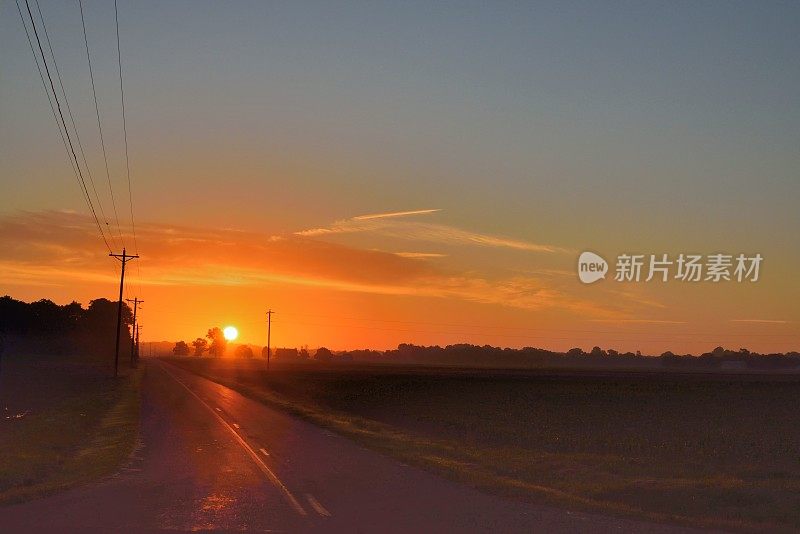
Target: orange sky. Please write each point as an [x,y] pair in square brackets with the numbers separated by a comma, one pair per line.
[346,296]
[425,175]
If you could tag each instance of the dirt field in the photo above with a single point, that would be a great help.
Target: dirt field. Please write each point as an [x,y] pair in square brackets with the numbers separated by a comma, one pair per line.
[702,449]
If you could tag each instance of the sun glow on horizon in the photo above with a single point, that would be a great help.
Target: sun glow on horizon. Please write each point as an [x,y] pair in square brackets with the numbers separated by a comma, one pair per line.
[230,333]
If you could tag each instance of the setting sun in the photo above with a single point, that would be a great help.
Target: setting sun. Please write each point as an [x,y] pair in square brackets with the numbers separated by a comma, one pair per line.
[230,333]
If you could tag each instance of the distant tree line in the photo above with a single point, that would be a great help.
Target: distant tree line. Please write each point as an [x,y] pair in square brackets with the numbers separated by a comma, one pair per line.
[531,357]
[466,355]
[216,349]
[44,327]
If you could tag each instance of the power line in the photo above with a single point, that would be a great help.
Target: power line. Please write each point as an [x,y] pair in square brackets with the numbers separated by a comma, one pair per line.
[47,92]
[71,117]
[99,124]
[484,329]
[50,100]
[64,123]
[125,137]
[125,128]
[624,338]
[517,328]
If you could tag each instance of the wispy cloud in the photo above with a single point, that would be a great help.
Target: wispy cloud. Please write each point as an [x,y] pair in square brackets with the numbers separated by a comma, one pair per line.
[420,255]
[394,214]
[763,321]
[638,321]
[393,225]
[35,248]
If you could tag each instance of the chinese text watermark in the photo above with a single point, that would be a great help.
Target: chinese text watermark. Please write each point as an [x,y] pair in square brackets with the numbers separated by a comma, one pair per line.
[663,267]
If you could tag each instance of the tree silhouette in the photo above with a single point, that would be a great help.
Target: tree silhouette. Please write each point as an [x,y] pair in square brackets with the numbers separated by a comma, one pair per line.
[597,352]
[243,351]
[323,355]
[46,327]
[218,342]
[181,349]
[200,346]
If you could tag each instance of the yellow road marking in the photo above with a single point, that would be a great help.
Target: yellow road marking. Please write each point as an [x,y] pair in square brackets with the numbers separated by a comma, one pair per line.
[264,468]
[317,506]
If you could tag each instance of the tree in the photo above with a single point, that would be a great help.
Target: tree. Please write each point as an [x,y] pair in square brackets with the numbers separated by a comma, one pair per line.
[597,352]
[200,346]
[98,328]
[243,351]
[181,349]
[323,355]
[218,342]
[46,327]
[103,313]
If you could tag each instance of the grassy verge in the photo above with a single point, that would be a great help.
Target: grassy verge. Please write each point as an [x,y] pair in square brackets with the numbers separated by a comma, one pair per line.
[703,451]
[63,424]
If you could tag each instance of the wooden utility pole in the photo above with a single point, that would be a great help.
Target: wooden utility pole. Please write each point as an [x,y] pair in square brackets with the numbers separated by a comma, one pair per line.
[269,332]
[124,258]
[137,343]
[134,330]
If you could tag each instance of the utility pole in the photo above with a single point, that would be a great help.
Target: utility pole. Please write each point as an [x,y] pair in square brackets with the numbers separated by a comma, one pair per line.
[124,258]
[134,330]
[138,327]
[269,331]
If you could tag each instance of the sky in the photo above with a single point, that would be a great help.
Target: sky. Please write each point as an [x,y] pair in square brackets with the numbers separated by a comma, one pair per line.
[388,172]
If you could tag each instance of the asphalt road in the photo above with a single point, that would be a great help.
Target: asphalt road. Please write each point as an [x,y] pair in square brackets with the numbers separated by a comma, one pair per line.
[211,459]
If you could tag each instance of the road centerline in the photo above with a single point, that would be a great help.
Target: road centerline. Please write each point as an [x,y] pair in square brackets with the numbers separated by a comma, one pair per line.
[290,498]
[315,504]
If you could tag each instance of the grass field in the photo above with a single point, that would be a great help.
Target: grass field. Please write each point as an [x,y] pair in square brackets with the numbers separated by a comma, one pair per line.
[699,449]
[63,423]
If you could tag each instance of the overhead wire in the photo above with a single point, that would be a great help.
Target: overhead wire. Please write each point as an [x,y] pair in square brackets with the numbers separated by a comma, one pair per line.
[49,98]
[72,118]
[99,123]
[125,139]
[619,337]
[71,148]
[125,128]
[474,327]
[47,92]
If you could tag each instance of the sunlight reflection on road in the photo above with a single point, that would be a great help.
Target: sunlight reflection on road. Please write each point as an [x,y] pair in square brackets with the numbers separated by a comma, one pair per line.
[212,512]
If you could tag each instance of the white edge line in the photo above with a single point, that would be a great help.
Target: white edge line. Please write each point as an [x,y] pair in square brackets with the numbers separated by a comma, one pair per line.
[317,506]
[266,470]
